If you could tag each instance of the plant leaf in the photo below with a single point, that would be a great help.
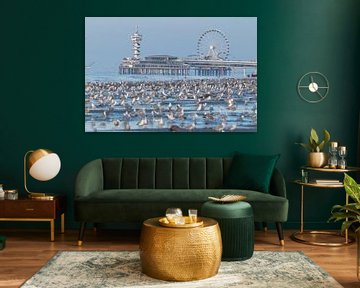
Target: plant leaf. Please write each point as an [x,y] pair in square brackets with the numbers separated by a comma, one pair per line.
[346,225]
[352,188]
[306,146]
[313,145]
[314,136]
[352,207]
[321,146]
[326,136]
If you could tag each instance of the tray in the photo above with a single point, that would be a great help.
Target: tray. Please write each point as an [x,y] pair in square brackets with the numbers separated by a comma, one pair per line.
[228,198]
[164,222]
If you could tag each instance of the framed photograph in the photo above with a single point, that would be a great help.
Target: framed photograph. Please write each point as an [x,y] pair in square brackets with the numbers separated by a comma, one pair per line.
[170,74]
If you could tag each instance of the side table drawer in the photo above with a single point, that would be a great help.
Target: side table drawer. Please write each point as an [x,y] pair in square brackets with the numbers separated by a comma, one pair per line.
[30,209]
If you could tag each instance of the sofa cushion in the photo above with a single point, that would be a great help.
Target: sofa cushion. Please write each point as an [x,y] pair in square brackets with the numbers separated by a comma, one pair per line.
[266,207]
[251,172]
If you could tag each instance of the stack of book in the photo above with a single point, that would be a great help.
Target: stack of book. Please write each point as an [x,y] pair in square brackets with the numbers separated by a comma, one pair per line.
[327,181]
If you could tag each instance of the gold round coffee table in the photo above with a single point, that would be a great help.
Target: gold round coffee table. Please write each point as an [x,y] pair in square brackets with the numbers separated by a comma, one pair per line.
[180,254]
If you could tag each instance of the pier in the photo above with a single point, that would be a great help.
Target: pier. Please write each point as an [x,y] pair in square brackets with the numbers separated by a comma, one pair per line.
[170,65]
[213,63]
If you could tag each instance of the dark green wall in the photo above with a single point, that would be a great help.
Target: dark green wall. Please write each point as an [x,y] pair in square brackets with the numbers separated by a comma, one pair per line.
[42,78]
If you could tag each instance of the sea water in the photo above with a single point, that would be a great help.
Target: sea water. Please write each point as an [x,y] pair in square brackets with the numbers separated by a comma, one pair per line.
[145,103]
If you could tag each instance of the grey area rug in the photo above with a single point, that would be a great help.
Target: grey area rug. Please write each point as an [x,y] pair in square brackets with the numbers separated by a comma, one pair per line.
[80,269]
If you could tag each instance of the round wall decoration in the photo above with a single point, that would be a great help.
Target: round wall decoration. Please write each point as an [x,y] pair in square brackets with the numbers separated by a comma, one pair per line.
[313,87]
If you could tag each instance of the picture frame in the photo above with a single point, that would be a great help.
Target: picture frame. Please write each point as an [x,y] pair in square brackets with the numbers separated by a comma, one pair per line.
[153,74]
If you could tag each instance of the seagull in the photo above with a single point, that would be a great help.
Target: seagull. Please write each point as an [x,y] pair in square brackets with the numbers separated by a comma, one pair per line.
[116,122]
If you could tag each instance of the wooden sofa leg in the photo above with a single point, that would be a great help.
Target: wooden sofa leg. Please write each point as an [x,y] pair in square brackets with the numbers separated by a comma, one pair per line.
[280,233]
[81,233]
[265,227]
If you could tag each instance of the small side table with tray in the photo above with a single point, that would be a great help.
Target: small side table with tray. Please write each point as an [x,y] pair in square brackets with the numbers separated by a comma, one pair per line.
[297,236]
[180,252]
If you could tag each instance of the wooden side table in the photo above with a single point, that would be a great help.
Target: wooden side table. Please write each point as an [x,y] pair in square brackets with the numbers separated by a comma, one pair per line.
[27,209]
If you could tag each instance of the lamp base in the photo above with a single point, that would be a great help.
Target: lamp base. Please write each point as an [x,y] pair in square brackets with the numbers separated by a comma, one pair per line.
[41,196]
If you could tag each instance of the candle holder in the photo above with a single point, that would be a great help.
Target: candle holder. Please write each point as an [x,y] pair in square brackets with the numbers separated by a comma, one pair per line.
[333,149]
[342,153]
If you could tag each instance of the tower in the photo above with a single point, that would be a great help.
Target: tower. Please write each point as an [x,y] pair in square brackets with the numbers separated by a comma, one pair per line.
[136,39]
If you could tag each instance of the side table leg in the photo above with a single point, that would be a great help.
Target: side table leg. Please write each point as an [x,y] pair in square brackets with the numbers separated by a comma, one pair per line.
[63,223]
[52,230]
[302,210]
[346,230]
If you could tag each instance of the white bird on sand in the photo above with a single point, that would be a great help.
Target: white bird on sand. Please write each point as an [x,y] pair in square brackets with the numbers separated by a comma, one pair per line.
[220,128]
[143,122]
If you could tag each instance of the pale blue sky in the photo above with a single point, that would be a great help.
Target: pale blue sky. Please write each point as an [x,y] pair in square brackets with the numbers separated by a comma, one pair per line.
[107,39]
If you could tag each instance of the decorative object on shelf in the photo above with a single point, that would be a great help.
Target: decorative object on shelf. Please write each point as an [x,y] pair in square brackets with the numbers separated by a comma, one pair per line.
[304,176]
[2,192]
[350,213]
[313,87]
[327,181]
[342,153]
[11,194]
[43,165]
[317,157]
[333,146]
[228,198]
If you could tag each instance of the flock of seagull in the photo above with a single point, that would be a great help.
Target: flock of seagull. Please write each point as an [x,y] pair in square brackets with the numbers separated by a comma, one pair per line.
[219,104]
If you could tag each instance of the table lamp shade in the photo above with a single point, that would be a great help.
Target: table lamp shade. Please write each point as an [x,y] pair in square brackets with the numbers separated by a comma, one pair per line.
[44,164]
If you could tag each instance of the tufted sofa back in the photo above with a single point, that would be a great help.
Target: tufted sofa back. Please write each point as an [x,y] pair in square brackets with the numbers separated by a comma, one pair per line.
[164,173]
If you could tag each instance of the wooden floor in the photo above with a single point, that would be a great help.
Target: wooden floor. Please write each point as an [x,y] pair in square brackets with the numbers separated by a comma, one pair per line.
[28,250]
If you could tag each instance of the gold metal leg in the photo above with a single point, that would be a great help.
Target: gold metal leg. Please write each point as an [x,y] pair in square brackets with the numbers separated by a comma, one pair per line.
[302,210]
[298,236]
[346,230]
[63,223]
[52,230]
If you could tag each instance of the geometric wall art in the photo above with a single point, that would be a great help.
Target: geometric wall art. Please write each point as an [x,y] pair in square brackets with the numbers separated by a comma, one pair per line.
[170,74]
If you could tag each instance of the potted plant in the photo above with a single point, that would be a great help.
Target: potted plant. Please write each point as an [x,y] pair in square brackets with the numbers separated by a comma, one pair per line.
[350,214]
[317,157]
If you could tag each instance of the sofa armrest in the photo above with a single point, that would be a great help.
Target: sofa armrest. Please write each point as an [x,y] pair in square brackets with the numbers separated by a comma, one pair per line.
[89,179]
[277,184]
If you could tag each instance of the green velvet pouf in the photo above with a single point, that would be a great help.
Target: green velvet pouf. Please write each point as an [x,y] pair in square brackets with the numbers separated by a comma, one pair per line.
[2,242]
[236,221]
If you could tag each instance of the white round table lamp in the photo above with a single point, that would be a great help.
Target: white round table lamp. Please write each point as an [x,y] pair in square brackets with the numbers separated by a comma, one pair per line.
[43,165]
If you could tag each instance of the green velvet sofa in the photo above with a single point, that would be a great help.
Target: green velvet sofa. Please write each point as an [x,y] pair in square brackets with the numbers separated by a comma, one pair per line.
[130,190]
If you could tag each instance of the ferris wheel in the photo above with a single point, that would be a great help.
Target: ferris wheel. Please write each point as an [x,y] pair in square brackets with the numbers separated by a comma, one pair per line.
[213,45]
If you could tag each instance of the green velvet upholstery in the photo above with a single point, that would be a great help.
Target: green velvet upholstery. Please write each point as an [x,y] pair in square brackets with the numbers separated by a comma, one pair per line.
[251,172]
[236,223]
[268,208]
[131,190]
